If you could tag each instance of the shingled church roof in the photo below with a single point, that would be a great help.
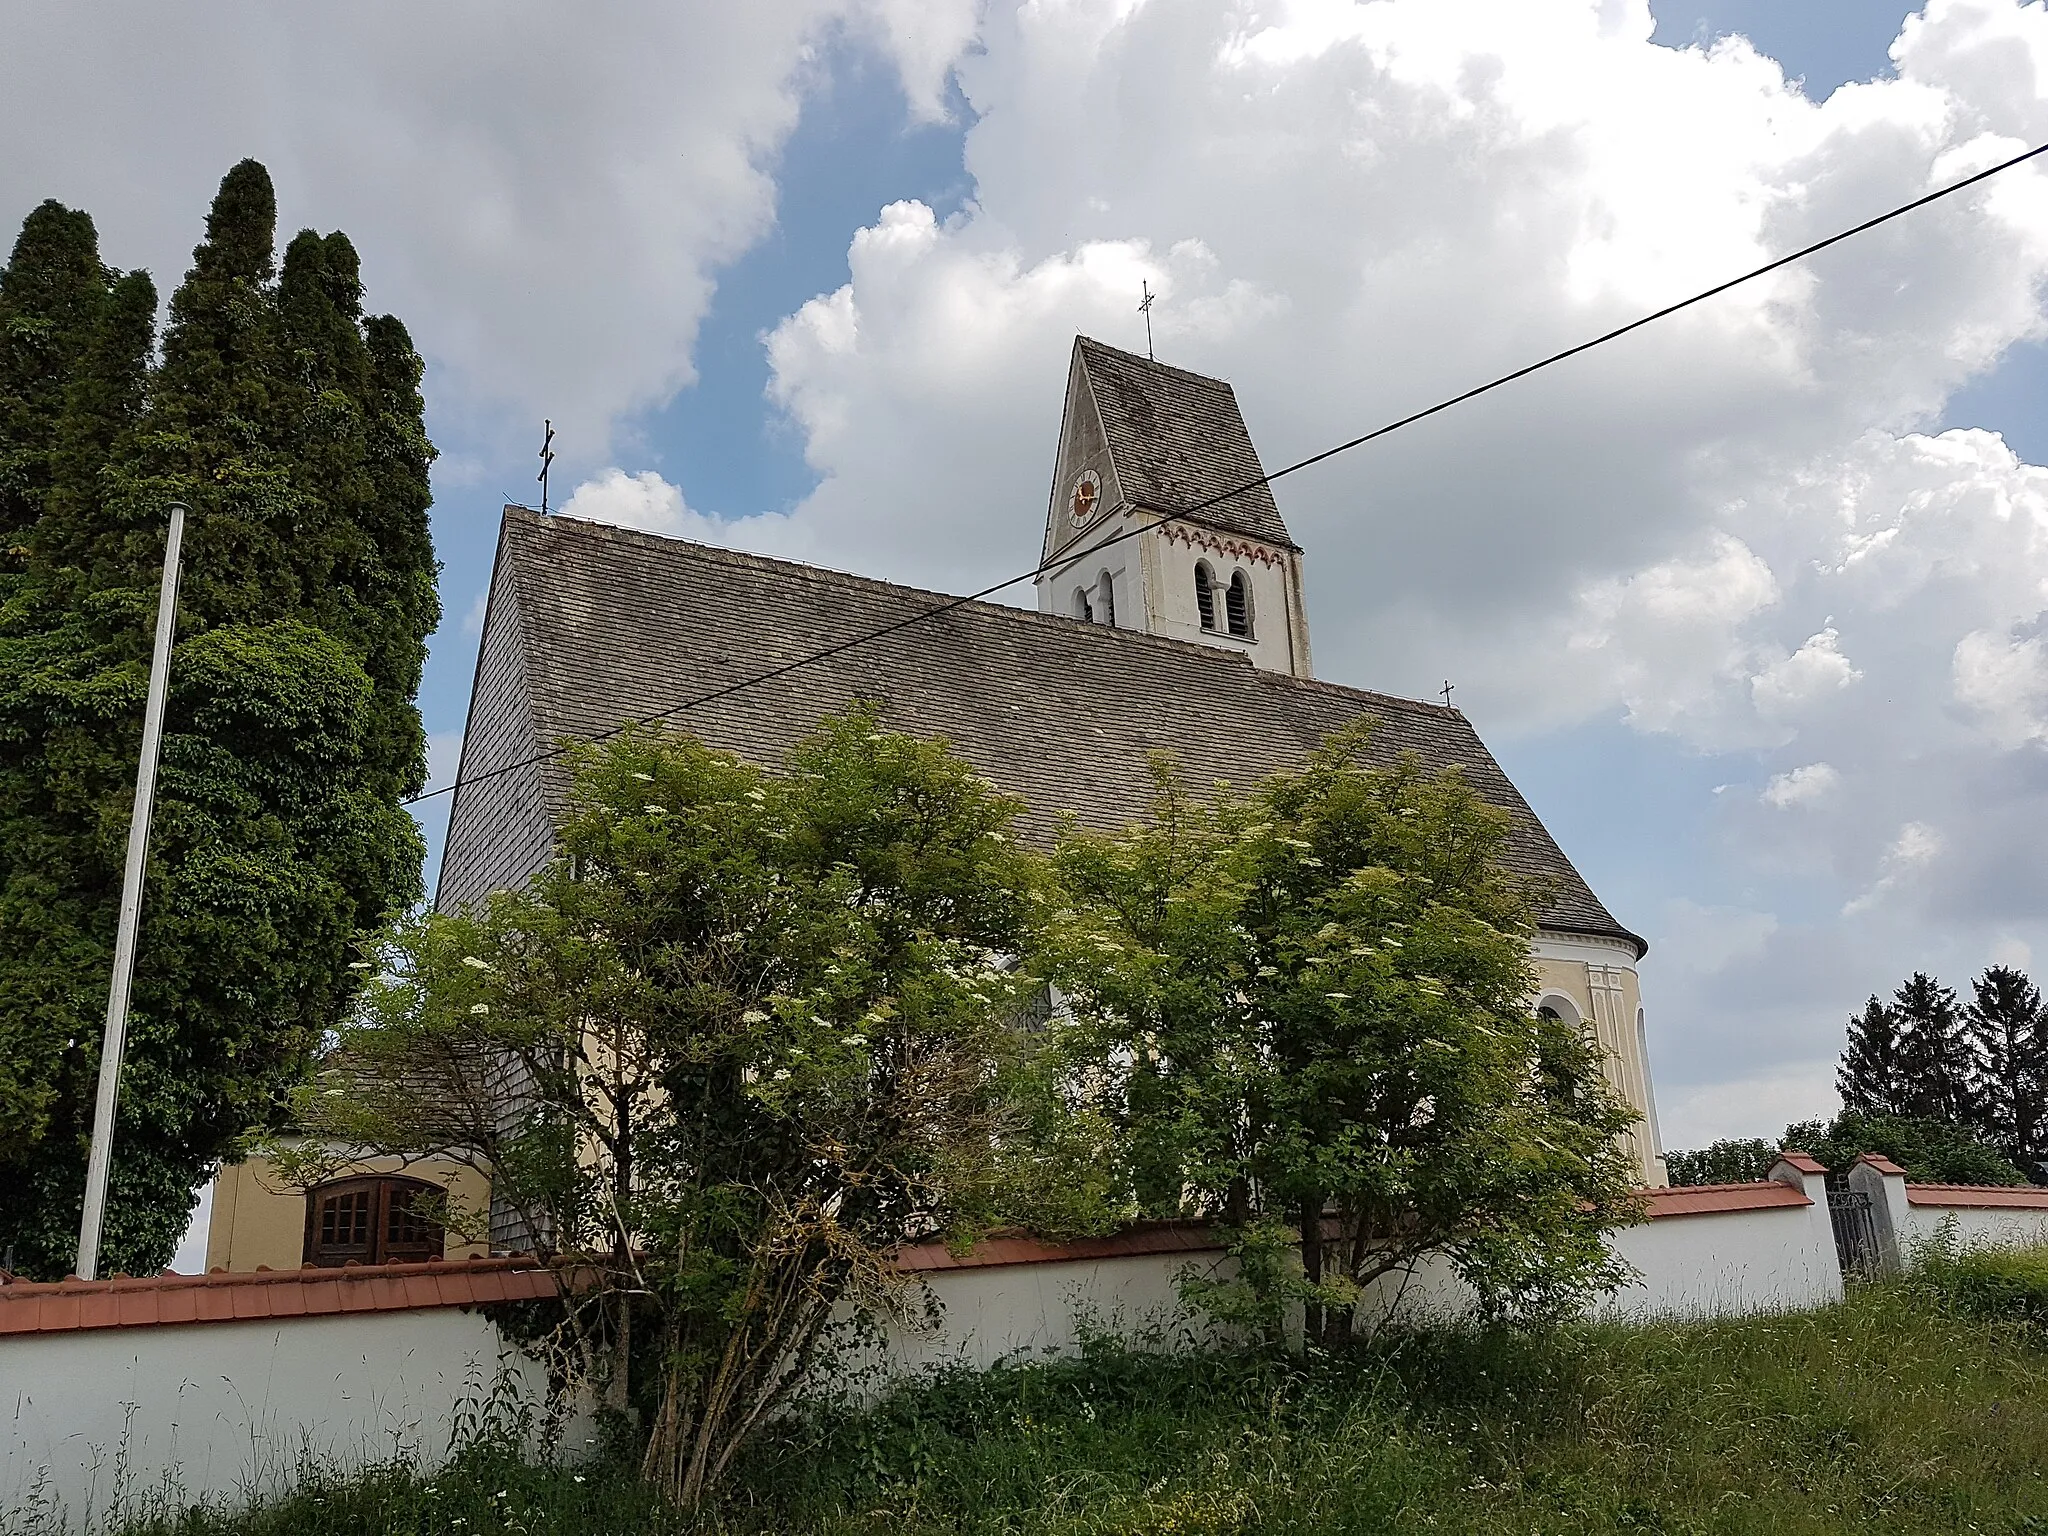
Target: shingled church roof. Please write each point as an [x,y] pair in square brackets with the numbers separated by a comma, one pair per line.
[591,625]
[1177,439]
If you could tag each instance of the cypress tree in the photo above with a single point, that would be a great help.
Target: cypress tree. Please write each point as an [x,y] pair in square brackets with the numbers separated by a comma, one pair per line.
[290,736]
[1869,1077]
[51,293]
[2010,1027]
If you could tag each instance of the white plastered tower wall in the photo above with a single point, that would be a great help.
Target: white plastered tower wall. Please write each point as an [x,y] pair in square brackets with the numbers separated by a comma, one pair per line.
[1111,559]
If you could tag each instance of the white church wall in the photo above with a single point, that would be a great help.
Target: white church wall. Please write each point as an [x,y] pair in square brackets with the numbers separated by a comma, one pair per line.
[1176,612]
[1082,568]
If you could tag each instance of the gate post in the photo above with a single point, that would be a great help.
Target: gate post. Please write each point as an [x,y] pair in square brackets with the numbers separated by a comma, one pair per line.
[1884,1181]
[1806,1175]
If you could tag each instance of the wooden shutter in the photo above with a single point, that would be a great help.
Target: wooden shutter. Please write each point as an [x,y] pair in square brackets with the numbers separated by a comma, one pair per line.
[371,1220]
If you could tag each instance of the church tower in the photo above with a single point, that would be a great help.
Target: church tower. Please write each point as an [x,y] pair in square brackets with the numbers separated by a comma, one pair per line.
[1128,539]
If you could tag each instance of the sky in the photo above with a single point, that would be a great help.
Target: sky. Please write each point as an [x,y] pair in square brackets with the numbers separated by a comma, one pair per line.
[1753,604]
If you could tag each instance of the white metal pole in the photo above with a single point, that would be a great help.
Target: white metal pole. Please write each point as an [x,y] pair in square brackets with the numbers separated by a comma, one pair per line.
[116,1040]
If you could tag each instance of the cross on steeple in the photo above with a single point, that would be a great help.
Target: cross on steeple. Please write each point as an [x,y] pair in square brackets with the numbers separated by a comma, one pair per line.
[547,457]
[1145,309]
[1448,685]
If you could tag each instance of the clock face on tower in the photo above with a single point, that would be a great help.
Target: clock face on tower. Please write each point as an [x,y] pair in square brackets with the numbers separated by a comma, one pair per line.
[1087,496]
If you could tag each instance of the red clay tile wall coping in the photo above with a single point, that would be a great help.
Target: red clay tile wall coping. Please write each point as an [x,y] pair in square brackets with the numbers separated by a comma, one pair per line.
[221,1297]
[1712,1199]
[1978,1196]
[996,1252]
[1198,1237]
[1798,1160]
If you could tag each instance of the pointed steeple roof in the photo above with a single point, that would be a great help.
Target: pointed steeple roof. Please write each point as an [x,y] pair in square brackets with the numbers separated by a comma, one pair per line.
[1177,439]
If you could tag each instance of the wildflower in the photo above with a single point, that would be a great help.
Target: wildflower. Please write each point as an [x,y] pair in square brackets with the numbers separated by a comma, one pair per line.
[753,1016]
[359,965]
[782,1074]
[479,1007]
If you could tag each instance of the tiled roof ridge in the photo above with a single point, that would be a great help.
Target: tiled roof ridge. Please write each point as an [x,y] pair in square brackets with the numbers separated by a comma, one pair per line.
[1090,344]
[1110,634]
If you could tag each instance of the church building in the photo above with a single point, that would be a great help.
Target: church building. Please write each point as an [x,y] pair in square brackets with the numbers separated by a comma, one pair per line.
[1170,617]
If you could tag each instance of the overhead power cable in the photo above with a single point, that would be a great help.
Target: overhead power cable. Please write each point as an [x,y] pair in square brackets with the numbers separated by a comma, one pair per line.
[1192,513]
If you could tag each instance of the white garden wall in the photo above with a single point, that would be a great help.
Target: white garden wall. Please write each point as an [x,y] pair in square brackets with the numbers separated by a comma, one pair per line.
[1976,1226]
[134,1396]
[1726,1264]
[1018,1312]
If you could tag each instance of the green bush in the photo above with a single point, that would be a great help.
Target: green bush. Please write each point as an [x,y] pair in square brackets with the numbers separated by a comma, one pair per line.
[1725,1162]
[2004,1283]
[1931,1151]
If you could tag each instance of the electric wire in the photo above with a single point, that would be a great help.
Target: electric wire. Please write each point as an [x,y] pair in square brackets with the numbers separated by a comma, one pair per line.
[1192,513]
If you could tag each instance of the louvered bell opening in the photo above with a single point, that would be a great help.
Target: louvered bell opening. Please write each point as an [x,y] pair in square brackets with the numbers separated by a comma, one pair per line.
[1205,596]
[1238,601]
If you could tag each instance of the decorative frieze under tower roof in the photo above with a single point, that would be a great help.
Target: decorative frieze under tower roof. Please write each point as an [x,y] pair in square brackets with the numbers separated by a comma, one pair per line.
[1158,520]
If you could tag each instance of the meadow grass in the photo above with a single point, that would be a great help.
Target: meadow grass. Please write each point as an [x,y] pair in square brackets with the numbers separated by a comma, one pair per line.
[1904,1409]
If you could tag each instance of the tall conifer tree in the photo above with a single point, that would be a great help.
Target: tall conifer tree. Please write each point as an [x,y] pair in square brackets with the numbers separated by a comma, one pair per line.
[51,294]
[1938,1056]
[291,735]
[1870,1079]
[2011,1028]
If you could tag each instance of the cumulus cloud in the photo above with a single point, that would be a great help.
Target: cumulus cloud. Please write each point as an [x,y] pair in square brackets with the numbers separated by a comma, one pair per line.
[1732,531]
[1804,785]
[1916,846]
[545,196]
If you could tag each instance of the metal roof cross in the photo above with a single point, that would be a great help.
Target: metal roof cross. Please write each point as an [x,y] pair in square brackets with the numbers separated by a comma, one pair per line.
[547,457]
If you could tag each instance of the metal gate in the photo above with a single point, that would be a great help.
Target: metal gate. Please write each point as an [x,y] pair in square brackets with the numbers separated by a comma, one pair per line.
[1855,1233]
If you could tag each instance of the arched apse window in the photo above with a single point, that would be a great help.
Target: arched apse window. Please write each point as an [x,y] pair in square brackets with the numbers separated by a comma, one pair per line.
[1205,594]
[373,1220]
[1105,596]
[1237,602]
[1082,609]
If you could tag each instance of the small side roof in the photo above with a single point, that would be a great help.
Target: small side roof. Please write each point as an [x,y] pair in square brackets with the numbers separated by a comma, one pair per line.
[1178,438]
[592,625]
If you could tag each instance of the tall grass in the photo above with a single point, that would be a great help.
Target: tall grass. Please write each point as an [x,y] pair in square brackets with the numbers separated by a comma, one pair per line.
[1901,1410]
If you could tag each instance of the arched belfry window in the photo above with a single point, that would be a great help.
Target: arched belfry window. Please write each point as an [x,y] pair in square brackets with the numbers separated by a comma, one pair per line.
[1205,594]
[1237,602]
[372,1220]
[1082,608]
[1105,597]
